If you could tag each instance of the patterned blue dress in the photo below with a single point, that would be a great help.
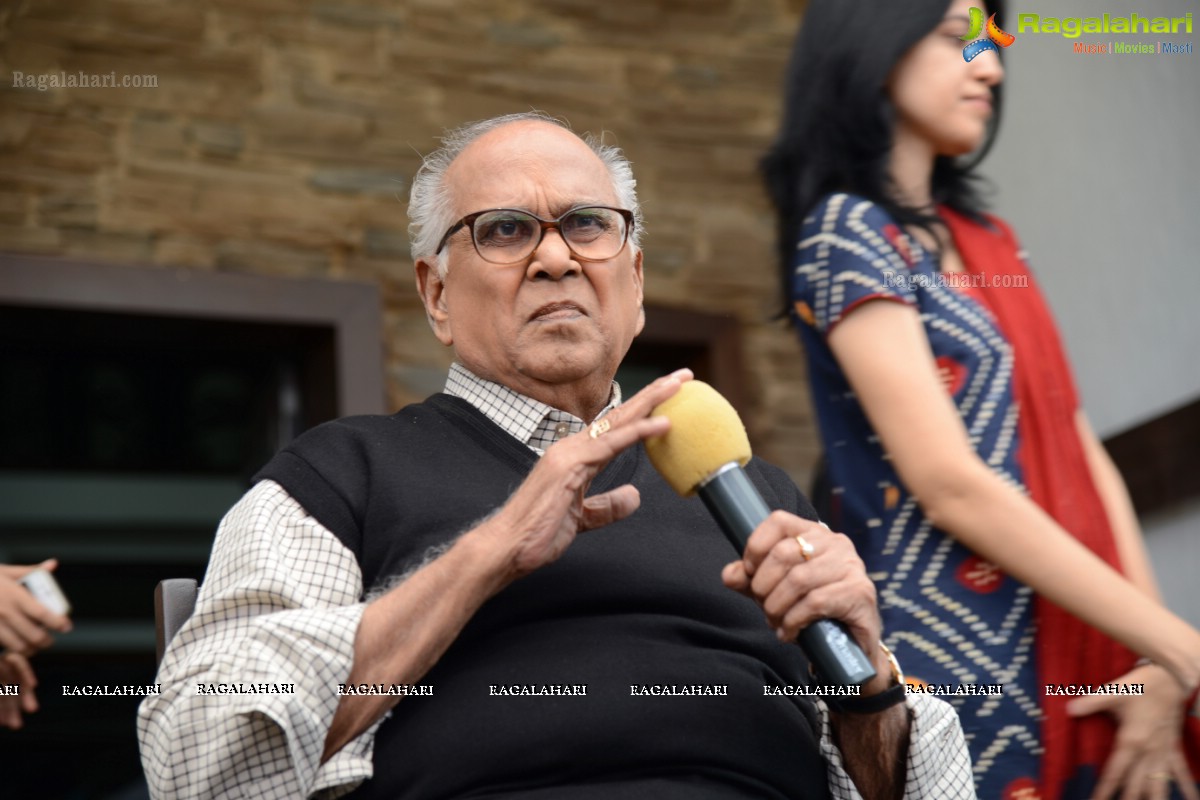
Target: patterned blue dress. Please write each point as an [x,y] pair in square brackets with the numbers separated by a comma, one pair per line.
[953,619]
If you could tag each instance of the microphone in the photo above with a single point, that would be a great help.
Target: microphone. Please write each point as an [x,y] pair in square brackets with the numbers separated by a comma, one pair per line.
[703,453]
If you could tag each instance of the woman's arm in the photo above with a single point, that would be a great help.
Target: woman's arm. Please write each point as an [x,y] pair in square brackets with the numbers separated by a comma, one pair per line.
[1118,506]
[1148,739]
[885,355]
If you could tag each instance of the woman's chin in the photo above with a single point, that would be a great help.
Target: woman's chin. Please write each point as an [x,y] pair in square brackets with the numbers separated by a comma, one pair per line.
[956,148]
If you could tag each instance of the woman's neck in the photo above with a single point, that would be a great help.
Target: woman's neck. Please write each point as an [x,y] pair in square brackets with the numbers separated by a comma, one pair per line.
[911,170]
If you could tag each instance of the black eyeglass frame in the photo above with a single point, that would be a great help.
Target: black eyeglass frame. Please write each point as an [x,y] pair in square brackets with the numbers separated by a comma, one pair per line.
[468,222]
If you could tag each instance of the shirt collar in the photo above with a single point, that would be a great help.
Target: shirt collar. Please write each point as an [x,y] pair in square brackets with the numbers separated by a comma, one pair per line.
[529,421]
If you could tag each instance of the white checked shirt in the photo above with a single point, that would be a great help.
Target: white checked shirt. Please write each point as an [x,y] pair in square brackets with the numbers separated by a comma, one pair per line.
[281,604]
[525,419]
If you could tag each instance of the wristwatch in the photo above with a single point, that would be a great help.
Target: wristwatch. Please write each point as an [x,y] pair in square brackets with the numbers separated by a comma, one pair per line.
[892,696]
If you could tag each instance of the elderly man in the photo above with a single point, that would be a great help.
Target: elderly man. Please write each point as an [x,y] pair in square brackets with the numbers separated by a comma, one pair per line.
[534,662]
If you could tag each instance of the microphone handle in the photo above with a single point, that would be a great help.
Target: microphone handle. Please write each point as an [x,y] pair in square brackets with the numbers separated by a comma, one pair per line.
[739,509]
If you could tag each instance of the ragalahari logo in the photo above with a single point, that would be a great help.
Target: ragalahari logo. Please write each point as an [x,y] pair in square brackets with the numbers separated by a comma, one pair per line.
[995,36]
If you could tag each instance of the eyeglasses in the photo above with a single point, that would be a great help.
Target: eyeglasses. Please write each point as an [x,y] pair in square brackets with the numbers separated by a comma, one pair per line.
[508,235]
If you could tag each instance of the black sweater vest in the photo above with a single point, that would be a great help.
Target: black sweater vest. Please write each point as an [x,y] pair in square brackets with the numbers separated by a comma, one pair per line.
[635,604]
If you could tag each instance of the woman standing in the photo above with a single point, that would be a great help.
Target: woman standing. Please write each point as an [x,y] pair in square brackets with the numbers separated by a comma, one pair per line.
[958,458]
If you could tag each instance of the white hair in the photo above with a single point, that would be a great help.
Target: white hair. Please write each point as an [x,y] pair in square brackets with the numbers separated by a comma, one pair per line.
[429,207]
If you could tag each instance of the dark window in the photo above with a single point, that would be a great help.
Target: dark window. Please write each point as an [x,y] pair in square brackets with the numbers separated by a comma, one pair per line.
[132,416]
[709,344]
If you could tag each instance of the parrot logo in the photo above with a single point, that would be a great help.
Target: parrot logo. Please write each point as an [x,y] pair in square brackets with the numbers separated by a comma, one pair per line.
[995,36]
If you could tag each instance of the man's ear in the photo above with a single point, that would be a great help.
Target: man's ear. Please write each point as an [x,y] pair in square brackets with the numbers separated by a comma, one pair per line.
[638,277]
[432,289]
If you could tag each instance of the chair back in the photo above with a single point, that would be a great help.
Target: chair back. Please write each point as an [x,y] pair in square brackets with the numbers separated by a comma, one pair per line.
[174,599]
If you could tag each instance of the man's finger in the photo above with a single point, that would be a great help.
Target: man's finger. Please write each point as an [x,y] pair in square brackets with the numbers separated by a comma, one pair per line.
[29,703]
[785,565]
[602,509]
[17,571]
[28,682]
[15,669]
[735,577]
[24,672]
[642,403]
[779,526]
[836,601]
[30,632]
[10,717]
[9,639]
[798,583]
[602,448]
[34,610]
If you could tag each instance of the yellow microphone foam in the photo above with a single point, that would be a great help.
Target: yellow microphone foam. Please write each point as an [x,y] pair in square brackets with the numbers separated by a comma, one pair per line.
[706,434]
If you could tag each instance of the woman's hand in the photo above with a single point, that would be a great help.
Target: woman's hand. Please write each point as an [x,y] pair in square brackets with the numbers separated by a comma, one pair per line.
[1147,756]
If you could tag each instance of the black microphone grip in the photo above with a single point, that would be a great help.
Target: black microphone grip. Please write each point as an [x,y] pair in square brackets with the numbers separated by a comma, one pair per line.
[739,509]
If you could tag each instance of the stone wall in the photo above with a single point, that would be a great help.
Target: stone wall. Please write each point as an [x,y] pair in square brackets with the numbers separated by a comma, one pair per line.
[279,137]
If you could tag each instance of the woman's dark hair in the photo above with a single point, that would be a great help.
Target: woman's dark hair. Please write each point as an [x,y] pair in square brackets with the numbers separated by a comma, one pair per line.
[836,132]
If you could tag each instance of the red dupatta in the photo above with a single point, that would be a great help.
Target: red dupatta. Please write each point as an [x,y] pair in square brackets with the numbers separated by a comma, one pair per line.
[1057,475]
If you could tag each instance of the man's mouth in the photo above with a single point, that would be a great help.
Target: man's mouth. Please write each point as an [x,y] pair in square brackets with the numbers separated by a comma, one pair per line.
[557,311]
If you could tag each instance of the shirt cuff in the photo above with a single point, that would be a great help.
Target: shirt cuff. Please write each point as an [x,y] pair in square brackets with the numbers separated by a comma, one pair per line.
[938,764]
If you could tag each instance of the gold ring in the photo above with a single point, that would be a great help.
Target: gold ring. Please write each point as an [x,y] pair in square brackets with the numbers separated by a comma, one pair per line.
[806,548]
[599,428]
[1161,776]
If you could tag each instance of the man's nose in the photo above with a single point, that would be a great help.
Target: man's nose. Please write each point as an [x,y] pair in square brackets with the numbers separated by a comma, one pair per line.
[552,258]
